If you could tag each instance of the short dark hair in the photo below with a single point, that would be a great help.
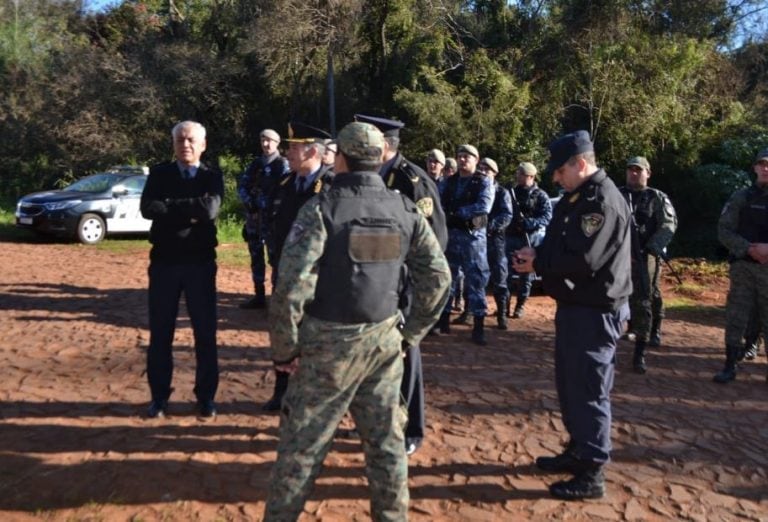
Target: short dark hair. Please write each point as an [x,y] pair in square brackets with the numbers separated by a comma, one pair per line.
[393,142]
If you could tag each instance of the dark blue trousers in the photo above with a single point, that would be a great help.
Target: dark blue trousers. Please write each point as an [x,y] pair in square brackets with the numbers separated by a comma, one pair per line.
[167,281]
[585,357]
[412,389]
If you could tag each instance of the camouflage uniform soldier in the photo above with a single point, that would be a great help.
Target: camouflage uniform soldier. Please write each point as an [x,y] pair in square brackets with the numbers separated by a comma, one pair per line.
[336,307]
[254,188]
[654,223]
[743,230]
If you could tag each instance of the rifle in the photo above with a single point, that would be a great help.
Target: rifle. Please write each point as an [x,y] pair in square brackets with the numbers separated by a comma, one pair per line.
[640,267]
[664,257]
[520,210]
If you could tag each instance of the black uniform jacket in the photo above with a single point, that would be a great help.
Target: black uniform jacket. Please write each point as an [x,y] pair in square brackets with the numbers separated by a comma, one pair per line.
[286,202]
[585,256]
[410,180]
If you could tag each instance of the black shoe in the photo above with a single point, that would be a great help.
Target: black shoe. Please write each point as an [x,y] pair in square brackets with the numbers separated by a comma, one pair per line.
[254,303]
[727,375]
[565,462]
[655,339]
[586,484]
[157,409]
[444,323]
[206,409]
[412,445]
[273,404]
[750,351]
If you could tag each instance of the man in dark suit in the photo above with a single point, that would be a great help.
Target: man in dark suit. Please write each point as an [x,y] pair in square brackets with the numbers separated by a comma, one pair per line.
[182,198]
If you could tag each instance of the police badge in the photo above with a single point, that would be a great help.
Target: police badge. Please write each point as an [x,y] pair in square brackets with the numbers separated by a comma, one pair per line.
[591,223]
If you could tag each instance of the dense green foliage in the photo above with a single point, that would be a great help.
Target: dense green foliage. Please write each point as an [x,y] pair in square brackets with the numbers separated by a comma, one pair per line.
[669,80]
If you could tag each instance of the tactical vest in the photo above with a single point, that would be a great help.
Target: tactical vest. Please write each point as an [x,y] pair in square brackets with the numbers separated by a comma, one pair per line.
[641,203]
[753,217]
[526,198]
[472,191]
[369,234]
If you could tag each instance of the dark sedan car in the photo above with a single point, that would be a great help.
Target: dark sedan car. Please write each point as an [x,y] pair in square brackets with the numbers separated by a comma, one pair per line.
[89,208]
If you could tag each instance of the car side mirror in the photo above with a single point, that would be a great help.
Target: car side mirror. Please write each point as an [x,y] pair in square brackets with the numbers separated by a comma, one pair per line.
[119,190]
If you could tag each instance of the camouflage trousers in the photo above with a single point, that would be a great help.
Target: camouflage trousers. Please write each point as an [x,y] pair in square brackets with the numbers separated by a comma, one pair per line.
[343,367]
[646,310]
[749,287]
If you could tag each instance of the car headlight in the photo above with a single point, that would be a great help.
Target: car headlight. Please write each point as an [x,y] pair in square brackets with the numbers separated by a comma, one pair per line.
[61,205]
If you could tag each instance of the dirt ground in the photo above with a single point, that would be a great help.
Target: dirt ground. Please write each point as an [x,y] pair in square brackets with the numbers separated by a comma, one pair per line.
[74,445]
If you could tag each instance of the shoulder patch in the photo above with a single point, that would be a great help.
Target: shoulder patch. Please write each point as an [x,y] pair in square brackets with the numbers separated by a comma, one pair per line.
[296,233]
[426,206]
[591,223]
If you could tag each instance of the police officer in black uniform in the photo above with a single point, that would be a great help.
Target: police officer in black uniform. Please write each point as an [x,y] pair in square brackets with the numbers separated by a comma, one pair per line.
[410,180]
[308,177]
[584,262]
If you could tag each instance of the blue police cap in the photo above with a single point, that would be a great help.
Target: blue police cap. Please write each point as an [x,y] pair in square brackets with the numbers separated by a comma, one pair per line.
[567,146]
[386,126]
[299,132]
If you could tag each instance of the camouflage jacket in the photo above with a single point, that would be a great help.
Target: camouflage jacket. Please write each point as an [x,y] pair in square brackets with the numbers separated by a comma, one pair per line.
[730,227]
[654,216]
[298,281]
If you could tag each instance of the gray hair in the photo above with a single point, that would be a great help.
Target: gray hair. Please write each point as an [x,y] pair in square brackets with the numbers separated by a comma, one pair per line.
[188,124]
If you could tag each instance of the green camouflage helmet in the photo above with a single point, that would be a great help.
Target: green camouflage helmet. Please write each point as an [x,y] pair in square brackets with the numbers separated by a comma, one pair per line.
[361,141]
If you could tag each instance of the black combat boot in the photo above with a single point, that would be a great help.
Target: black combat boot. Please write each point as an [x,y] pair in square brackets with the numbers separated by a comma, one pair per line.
[519,308]
[502,305]
[587,483]
[638,360]
[462,318]
[729,371]
[444,323]
[565,462]
[281,384]
[478,333]
[259,300]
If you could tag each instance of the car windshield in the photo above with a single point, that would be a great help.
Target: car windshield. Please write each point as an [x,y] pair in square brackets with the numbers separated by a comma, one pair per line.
[95,184]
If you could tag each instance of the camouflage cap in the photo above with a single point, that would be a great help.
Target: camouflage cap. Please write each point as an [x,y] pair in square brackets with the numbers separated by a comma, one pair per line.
[361,141]
[639,161]
[491,164]
[529,169]
[761,156]
[270,135]
[466,148]
[437,155]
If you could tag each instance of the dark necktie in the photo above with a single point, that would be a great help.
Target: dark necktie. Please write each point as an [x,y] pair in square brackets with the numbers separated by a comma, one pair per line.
[187,174]
[302,185]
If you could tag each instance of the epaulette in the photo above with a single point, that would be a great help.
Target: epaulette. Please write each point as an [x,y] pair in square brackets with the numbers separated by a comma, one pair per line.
[407,169]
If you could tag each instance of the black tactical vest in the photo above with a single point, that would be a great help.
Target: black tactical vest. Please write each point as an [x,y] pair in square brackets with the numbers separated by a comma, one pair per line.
[641,203]
[753,217]
[369,234]
[451,203]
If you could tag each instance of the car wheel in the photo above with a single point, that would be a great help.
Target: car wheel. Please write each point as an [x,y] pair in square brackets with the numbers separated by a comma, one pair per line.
[91,229]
